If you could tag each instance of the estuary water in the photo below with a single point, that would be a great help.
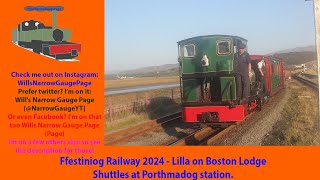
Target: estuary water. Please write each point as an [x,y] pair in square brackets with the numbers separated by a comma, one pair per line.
[139,88]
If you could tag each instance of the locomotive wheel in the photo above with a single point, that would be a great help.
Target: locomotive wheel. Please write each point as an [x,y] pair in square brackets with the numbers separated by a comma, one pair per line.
[36,50]
[45,49]
[36,46]
[24,44]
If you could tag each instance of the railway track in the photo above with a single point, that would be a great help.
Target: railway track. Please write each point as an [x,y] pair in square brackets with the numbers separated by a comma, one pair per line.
[130,133]
[306,81]
[203,136]
[207,135]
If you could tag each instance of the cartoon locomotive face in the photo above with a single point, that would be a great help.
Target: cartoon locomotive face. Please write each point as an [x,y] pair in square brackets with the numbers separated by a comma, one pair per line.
[46,40]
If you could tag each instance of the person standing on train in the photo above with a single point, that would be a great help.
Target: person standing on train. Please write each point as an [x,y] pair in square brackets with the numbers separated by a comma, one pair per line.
[260,65]
[243,73]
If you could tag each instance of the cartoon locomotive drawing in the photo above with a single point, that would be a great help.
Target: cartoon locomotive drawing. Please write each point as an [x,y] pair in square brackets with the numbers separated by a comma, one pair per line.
[46,40]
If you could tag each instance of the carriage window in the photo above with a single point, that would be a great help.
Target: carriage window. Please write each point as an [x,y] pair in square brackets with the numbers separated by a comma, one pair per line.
[223,47]
[189,50]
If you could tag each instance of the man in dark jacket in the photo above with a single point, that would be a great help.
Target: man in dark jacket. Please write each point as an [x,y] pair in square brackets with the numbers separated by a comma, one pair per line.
[243,73]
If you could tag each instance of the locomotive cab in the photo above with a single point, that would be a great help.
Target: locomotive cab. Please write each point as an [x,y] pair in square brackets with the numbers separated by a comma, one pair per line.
[208,61]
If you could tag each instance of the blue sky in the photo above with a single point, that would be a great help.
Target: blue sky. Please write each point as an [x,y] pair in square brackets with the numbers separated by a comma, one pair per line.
[142,33]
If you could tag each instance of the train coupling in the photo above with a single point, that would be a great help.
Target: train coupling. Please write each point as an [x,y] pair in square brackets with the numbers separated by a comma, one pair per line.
[210,116]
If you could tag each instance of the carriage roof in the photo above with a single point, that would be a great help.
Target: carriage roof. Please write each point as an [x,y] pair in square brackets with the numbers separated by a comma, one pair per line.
[265,57]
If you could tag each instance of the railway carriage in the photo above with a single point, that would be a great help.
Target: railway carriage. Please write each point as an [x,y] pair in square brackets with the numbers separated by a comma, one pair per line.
[274,79]
[208,80]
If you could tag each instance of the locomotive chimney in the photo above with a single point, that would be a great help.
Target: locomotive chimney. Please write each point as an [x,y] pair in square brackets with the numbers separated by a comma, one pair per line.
[54,19]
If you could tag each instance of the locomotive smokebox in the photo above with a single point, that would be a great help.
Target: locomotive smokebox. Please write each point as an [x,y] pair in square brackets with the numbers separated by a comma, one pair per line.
[57,35]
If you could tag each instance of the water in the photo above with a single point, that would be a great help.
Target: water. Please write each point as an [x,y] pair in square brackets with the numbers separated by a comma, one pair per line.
[139,88]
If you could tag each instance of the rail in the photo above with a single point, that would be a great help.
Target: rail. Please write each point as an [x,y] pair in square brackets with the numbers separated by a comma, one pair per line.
[130,133]
[306,81]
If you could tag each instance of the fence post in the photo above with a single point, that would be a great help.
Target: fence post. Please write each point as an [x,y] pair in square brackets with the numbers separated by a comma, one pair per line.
[133,107]
[147,99]
[141,106]
[110,111]
[172,94]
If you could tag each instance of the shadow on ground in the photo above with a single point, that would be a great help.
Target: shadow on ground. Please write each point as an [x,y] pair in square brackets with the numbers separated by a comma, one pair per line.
[161,106]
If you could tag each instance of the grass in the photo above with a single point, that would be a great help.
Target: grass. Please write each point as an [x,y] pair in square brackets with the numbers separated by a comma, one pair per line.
[125,83]
[299,125]
[312,71]
[123,99]
[133,119]
[158,107]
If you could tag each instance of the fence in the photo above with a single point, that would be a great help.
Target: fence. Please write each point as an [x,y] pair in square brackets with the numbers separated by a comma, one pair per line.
[139,105]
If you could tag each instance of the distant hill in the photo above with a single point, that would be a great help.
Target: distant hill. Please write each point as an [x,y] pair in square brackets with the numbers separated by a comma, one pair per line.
[310,48]
[299,55]
[151,69]
[296,56]
[292,58]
